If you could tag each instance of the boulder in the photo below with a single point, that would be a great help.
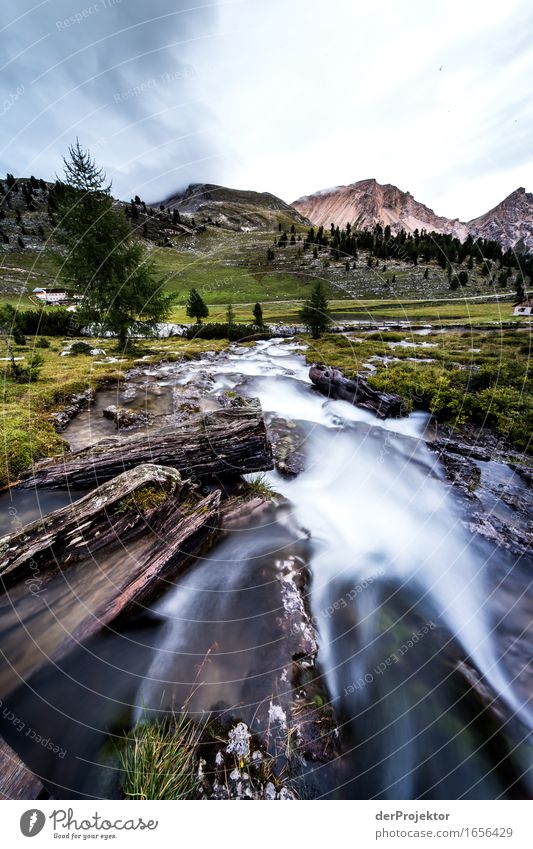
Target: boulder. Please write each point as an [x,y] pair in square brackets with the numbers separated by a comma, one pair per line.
[125,418]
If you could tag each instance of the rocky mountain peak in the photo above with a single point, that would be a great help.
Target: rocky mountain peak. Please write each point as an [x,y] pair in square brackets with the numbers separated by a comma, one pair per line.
[367,203]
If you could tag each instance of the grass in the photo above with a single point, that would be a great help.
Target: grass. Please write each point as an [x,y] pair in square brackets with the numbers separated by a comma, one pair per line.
[159,760]
[232,266]
[259,486]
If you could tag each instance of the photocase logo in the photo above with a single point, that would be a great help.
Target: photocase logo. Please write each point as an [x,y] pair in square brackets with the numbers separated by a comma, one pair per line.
[32,822]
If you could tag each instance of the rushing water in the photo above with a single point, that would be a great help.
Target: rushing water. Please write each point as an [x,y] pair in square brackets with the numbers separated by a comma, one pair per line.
[401,592]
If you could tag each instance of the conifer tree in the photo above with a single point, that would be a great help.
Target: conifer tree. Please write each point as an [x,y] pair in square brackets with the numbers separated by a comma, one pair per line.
[104,263]
[230,315]
[520,291]
[315,312]
[196,306]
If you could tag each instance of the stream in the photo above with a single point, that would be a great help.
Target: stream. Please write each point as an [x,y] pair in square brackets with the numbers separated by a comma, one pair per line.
[402,591]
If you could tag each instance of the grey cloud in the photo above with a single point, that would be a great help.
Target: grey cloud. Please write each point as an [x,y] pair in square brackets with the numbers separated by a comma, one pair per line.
[129,65]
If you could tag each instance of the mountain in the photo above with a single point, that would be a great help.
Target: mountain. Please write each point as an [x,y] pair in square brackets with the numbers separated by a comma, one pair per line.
[510,222]
[368,203]
[234,209]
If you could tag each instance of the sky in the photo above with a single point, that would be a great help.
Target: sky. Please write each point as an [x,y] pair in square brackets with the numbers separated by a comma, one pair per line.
[286,96]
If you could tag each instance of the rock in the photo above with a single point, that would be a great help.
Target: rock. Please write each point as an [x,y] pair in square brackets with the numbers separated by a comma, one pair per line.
[452,446]
[462,472]
[125,418]
[97,352]
[474,460]
[332,383]
[484,693]
[82,401]
[79,348]
[287,445]
[240,770]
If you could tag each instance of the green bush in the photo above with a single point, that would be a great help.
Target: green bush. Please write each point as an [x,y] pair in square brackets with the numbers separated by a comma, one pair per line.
[218,330]
[29,373]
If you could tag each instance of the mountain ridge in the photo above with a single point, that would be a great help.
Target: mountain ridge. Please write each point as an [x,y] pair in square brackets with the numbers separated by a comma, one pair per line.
[237,209]
[367,203]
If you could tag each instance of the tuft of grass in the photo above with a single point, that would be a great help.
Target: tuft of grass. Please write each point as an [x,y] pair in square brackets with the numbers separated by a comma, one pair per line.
[159,760]
[259,485]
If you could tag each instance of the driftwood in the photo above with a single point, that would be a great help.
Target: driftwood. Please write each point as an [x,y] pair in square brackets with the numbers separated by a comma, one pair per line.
[89,595]
[16,780]
[118,510]
[332,383]
[226,442]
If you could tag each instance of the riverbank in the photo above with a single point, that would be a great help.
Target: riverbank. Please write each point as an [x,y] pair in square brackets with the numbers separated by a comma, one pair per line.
[463,377]
[28,427]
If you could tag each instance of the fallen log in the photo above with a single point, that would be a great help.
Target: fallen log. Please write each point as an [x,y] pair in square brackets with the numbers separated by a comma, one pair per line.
[16,780]
[120,509]
[332,383]
[226,442]
[45,617]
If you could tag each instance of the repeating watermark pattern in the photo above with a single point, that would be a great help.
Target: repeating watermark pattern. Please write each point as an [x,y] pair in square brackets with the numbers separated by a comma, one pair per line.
[391,660]
[11,99]
[352,594]
[83,14]
[29,732]
[188,72]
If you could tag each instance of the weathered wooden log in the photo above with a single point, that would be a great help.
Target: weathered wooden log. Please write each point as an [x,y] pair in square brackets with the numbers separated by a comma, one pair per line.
[118,510]
[332,383]
[45,620]
[225,442]
[16,780]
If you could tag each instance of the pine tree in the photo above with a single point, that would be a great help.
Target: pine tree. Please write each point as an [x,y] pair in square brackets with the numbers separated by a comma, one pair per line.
[520,291]
[104,264]
[315,313]
[258,315]
[230,315]
[196,306]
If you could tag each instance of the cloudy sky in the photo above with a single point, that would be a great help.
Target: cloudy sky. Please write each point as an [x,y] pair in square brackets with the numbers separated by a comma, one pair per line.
[287,96]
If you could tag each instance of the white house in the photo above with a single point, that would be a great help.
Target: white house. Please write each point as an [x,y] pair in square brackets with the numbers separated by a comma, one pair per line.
[50,296]
[525,308]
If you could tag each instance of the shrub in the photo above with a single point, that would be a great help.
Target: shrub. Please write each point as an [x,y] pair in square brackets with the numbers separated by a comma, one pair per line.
[219,330]
[29,373]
